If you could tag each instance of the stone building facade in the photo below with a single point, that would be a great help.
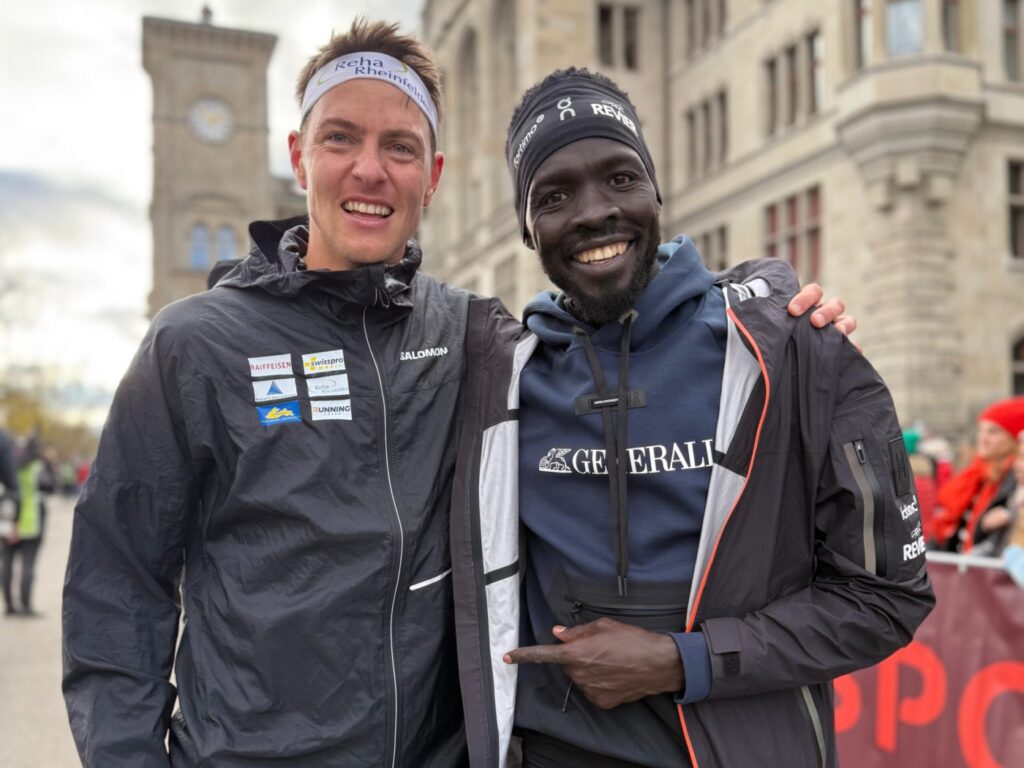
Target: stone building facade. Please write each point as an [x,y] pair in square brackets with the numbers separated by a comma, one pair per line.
[877,145]
[211,172]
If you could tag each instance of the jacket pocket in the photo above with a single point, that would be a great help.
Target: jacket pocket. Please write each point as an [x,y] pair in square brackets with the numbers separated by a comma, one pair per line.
[872,505]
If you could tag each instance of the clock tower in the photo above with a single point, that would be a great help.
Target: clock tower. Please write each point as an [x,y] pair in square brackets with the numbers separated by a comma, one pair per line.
[211,173]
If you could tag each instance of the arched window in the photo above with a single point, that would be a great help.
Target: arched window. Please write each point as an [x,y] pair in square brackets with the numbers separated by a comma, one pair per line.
[226,246]
[199,247]
[904,26]
[1017,364]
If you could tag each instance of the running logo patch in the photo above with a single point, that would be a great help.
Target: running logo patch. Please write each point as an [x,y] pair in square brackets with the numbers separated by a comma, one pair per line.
[331,410]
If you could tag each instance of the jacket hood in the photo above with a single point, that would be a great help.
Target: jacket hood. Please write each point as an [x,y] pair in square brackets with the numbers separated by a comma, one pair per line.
[681,276]
[275,265]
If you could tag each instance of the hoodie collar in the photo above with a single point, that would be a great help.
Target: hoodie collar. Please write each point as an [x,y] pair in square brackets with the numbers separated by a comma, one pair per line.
[681,277]
[275,264]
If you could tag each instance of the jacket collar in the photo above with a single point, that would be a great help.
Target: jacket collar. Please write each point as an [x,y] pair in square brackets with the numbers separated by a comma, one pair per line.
[275,265]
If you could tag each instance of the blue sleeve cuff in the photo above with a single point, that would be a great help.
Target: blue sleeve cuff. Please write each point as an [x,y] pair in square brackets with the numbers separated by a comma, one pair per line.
[1013,561]
[693,651]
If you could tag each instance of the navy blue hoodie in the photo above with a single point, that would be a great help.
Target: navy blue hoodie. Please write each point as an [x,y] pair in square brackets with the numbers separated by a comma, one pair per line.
[573,529]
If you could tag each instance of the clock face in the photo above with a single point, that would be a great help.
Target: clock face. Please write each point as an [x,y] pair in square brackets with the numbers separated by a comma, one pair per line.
[210,120]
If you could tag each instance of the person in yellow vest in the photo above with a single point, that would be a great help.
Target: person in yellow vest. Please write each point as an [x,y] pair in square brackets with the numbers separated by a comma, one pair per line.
[34,479]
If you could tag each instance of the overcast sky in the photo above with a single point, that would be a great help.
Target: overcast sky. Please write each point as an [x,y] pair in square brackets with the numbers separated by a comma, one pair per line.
[76,163]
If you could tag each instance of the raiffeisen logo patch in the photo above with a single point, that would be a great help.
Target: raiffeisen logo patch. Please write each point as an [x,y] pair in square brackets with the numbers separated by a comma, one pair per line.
[272,365]
[323,362]
[282,413]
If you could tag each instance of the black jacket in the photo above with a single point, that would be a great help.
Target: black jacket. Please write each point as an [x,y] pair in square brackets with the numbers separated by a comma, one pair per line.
[811,559]
[308,535]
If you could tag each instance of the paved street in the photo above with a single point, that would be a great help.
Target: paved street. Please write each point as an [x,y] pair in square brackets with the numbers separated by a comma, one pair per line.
[33,724]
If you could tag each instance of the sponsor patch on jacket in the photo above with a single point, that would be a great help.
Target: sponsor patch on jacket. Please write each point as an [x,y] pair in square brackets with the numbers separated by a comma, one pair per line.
[323,362]
[643,459]
[273,389]
[272,365]
[279,413]
[328,386]
[331,410]
[419,354]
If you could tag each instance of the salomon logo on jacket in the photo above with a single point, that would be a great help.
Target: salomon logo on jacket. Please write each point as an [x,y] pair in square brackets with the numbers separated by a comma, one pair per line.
[419,354]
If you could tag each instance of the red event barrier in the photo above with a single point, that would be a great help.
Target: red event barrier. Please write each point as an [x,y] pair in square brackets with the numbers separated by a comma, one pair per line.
[953,698]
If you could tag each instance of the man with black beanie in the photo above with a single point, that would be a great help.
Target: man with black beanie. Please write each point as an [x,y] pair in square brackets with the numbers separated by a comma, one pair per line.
[713,499]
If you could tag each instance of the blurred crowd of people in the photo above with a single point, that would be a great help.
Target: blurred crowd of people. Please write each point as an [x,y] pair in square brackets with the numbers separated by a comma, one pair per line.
[29,474]
[972,503]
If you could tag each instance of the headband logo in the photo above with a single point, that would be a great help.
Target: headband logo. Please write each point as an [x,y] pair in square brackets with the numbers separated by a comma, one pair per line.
[565,105]
[613,110]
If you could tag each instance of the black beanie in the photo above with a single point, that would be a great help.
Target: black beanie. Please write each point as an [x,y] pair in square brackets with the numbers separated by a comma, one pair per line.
[562,112]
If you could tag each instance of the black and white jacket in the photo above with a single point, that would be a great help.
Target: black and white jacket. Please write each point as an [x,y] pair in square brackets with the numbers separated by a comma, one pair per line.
[811,561]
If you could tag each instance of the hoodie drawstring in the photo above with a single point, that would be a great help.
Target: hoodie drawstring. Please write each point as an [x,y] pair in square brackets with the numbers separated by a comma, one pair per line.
[615,437]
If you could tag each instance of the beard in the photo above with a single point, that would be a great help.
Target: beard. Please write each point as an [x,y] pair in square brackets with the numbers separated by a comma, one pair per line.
[609,304]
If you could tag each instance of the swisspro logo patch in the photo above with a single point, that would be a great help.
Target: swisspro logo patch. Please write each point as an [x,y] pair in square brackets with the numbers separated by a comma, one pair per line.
[328,386]
[273,389]
[323,362]
[272,365]
[331,410]
[280,413]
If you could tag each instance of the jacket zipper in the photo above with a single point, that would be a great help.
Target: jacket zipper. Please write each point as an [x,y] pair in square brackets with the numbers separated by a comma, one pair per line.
[632,610]
[401,552]
[812,712]
[691,618]
[867,482]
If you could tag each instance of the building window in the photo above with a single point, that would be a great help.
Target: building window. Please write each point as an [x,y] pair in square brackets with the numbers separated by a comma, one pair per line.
[705,21]
[723,127]
[631,35]
[705,129]
[1017,365]
[1017,209]
[690,20]
[226,244]
[505,281]
[714,248]
[1011,38]
[793,232]
[691,144]
[605,35]
[904,27]
[815,71]
[723,16]
[199,247]
[951,24]
[792,85]
[771,81]
[862,32]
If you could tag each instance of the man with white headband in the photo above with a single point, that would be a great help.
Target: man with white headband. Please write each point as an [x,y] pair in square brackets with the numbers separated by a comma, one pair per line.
[282,450]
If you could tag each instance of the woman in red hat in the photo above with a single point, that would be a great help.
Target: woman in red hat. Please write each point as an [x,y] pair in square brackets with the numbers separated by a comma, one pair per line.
[987,481]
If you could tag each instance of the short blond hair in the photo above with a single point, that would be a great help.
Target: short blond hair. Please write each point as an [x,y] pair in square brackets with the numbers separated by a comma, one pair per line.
[378,37]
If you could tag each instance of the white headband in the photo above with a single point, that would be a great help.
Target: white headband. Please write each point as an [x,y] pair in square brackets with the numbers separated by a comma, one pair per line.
[376,66]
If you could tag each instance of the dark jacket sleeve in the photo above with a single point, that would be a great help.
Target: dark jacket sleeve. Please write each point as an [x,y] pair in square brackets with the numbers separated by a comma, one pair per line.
[869,590]
[121,600]
[8,478]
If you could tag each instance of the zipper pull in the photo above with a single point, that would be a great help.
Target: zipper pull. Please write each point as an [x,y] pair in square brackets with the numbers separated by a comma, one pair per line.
[577,606]
[862,456]
[565,701]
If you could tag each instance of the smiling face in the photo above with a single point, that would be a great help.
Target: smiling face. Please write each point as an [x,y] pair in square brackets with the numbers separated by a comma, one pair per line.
[364,160]
[593,215]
